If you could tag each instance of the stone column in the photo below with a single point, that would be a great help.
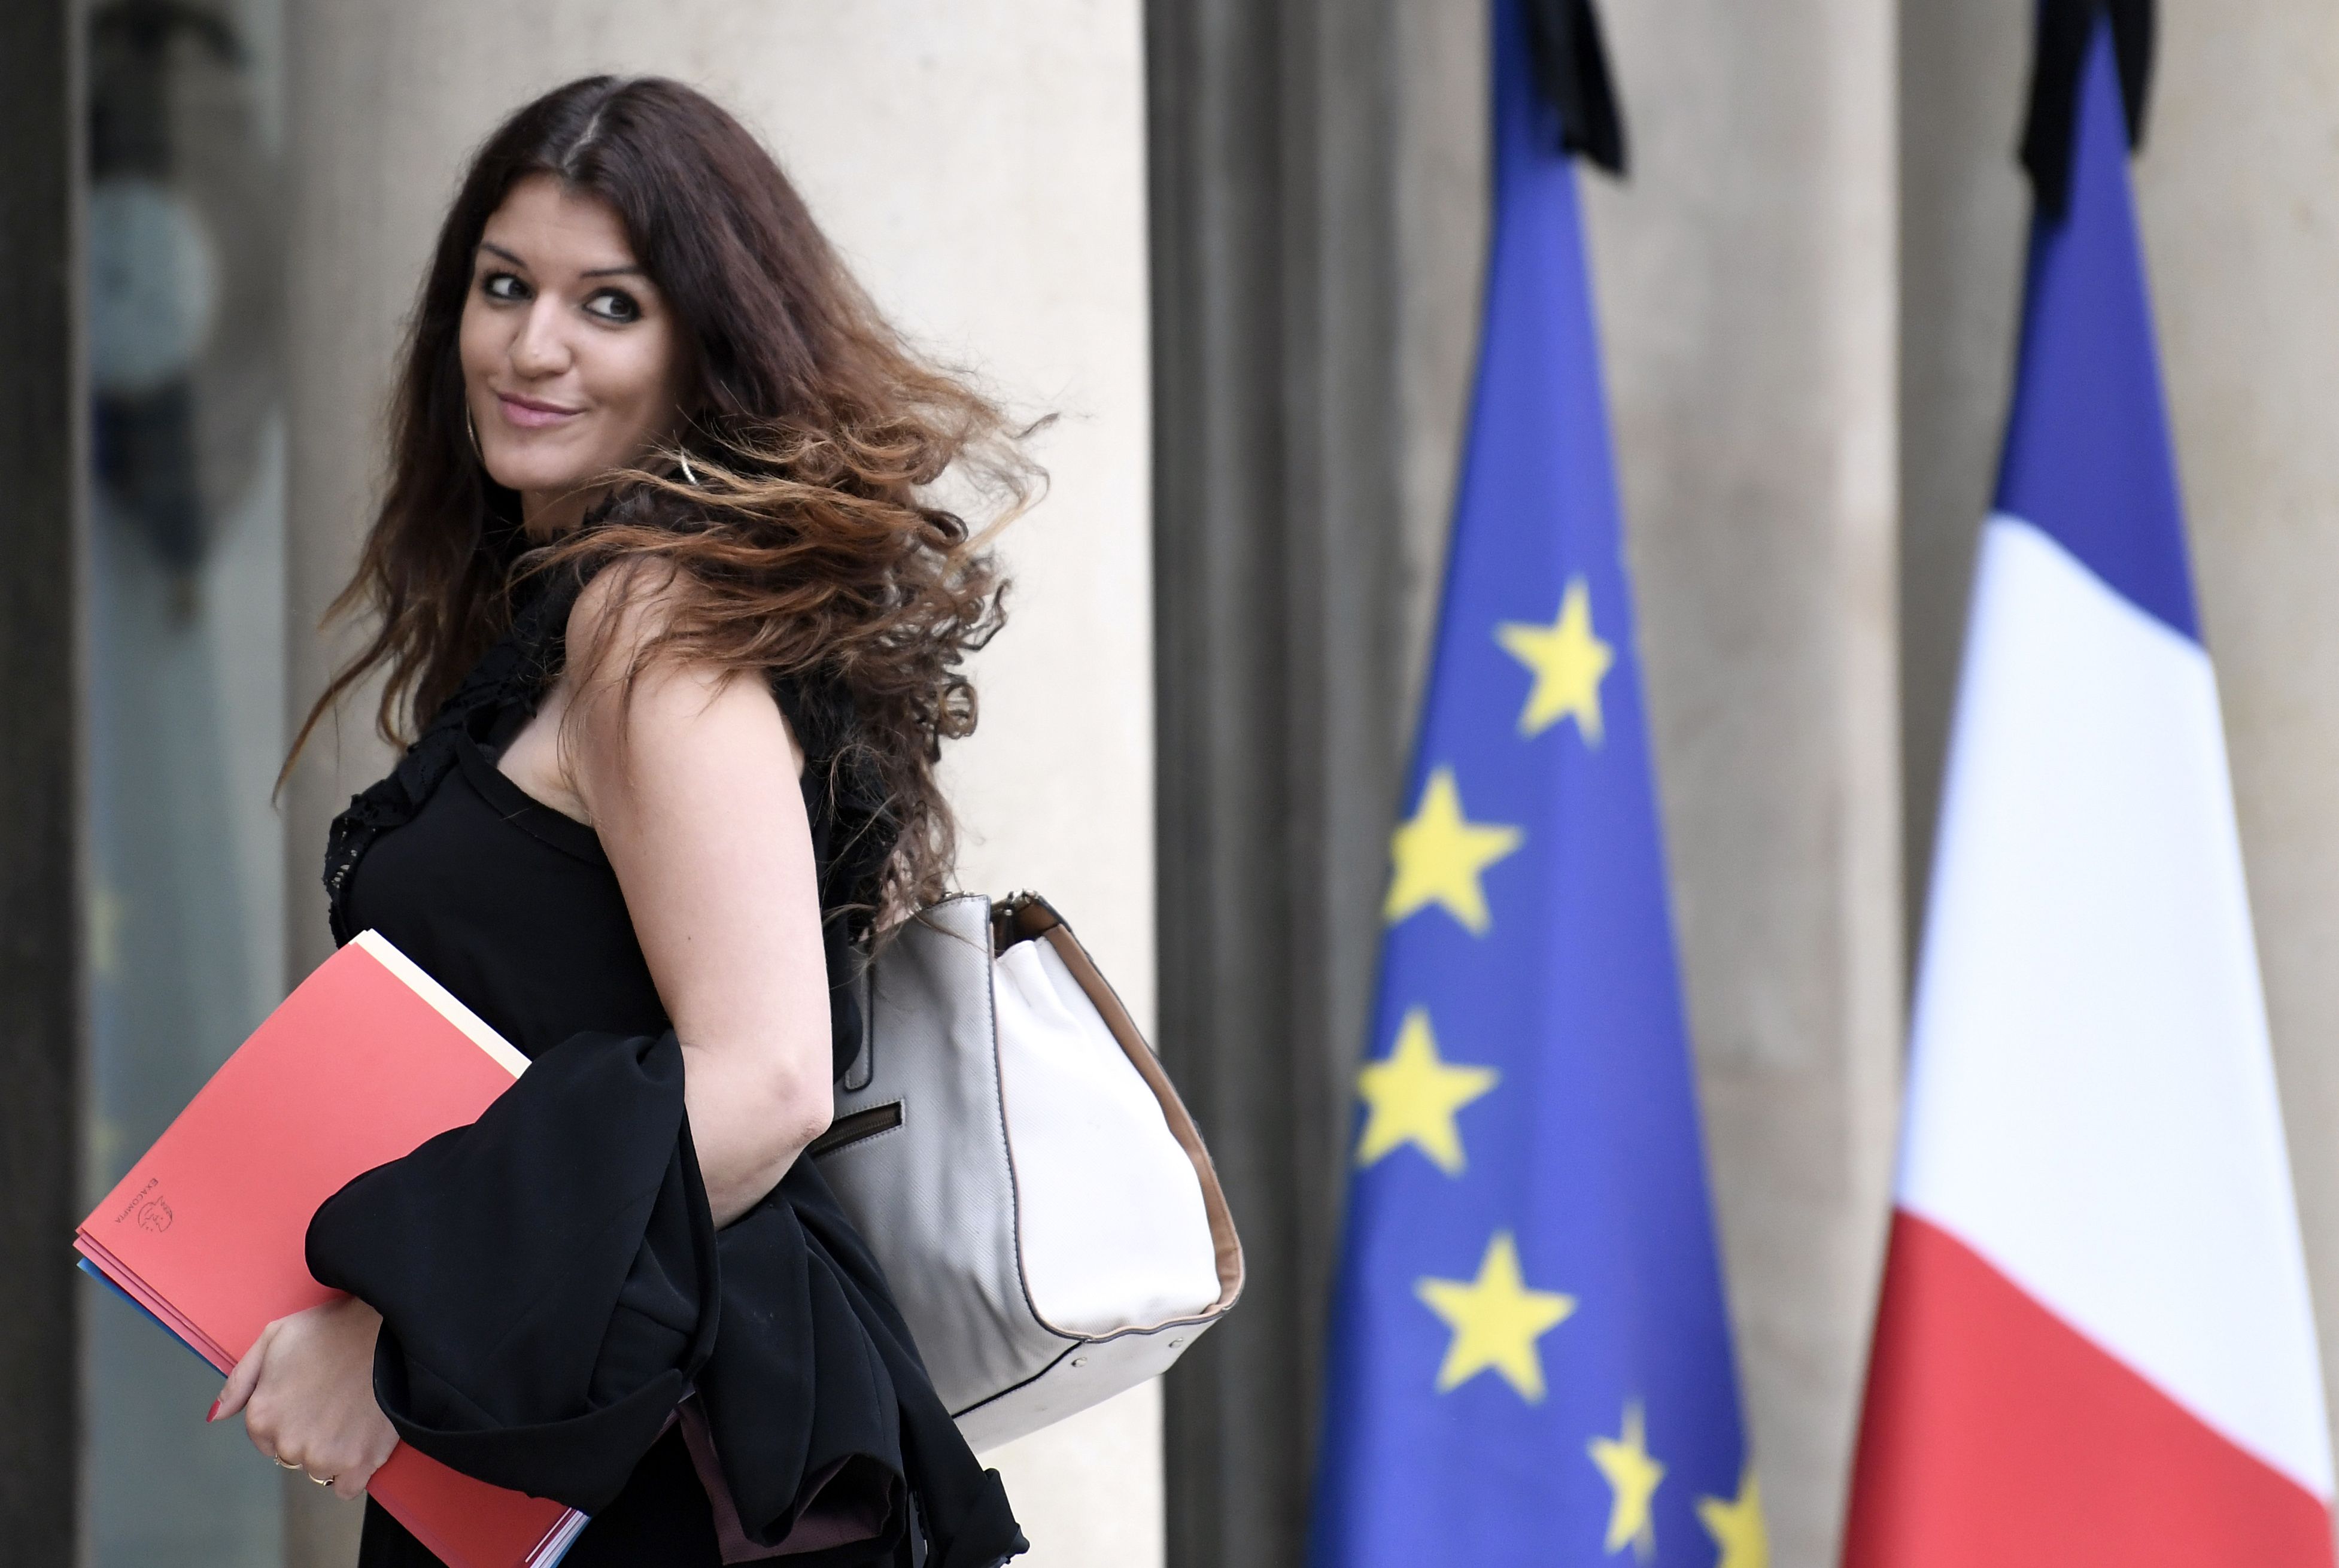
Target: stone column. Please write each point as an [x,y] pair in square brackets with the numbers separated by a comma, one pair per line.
[983,173]
[1280,638]
[1964,216]
[44,454]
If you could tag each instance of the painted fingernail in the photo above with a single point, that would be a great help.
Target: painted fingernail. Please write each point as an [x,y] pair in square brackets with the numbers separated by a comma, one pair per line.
[213,1414]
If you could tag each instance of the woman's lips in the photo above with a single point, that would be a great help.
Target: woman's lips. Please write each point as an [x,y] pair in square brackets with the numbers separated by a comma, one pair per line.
[533,416]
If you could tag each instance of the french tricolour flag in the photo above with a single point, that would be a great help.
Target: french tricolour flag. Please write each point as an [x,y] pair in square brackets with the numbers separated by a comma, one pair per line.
[2095,1344]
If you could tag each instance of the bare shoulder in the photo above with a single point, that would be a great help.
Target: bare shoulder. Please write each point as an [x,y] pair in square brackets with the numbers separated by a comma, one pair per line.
[623,672]
[621,615]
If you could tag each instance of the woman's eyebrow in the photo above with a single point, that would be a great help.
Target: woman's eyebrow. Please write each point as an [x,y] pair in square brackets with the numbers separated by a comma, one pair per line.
[628,269]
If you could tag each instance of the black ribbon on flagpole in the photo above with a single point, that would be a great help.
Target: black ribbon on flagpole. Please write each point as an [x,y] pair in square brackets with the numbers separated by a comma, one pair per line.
[2064,27]
[1571,72]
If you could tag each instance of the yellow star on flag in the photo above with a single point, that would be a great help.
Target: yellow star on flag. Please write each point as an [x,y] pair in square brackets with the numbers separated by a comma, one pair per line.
[1736,1526]
[1632,1478]
[1496,1320]
[1569,660]
[1440,855]
[1412,1094]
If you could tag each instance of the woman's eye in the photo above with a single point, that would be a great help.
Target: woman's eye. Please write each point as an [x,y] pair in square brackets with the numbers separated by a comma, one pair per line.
[614,305]
[503,286]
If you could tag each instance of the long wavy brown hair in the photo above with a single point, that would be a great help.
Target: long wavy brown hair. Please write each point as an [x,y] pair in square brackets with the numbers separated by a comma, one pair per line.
[812,543]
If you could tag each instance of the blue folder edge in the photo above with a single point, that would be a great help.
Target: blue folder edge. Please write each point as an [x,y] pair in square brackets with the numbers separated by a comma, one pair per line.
[95,1272]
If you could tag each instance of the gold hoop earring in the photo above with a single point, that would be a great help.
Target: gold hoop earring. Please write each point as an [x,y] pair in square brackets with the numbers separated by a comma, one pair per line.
[686,472]
[473,430]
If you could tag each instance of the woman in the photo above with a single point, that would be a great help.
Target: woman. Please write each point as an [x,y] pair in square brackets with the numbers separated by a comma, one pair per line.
[657,583]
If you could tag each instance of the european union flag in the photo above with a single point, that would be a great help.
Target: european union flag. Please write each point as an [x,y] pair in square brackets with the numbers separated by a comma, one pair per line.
[1529,1362]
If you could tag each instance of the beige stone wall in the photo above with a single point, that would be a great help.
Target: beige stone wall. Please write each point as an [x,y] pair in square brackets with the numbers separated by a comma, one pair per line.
[2238,189]
[1746,281]
[983,167]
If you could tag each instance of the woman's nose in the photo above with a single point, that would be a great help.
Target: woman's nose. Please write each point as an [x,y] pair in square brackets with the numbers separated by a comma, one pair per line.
[541,347]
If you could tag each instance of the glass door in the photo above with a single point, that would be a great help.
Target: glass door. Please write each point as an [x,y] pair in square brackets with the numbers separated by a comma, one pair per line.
[186,692]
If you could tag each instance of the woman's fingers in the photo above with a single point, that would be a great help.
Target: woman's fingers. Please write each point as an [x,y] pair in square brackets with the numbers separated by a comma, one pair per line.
[244,1378]
[378,1443]
[350,1484]
[350,1469]
[305,1390]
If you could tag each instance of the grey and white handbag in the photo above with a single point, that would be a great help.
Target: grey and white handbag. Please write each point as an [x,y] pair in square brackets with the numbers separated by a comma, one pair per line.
[1010,1148]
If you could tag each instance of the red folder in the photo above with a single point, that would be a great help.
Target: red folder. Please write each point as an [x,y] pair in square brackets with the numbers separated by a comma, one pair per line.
[369,1058]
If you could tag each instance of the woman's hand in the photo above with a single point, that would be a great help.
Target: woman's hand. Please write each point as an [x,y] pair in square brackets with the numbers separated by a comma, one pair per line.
[306,1391]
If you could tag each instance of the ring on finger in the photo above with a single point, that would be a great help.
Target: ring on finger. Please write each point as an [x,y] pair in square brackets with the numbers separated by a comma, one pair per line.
[284,1465]
[322,1480]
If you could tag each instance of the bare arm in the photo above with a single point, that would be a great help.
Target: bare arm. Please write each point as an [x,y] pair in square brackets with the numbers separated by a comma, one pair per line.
[691,781]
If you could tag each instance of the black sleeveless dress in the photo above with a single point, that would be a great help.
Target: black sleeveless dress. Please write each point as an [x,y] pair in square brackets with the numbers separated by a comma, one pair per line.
[561,1315]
